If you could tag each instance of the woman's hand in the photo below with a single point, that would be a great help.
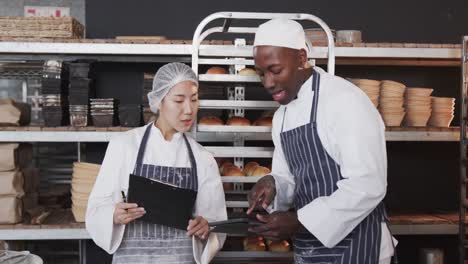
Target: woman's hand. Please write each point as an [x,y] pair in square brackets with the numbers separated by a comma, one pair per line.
[198,227]
[124,213]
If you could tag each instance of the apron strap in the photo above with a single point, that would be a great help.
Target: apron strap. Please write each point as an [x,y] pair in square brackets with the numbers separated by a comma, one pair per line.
[315,89]
[192,162]
[141,149]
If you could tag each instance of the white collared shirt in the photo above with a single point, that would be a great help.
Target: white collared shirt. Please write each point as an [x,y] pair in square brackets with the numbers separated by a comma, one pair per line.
[353,134]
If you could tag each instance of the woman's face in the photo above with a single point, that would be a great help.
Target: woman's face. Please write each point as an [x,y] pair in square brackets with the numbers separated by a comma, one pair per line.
[180,106]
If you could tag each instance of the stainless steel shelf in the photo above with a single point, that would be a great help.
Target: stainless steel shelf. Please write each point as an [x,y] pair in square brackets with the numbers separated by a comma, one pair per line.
[30,233]
[182,52]
[234,129]
[105,136]
[245,152]
[43,234]
[228,78]
[241,179]
[237,204]
[232,104]
[206,134]
[252,255]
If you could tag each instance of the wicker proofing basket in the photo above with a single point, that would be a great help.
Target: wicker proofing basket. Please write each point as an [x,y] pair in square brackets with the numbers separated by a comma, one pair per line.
[40,27]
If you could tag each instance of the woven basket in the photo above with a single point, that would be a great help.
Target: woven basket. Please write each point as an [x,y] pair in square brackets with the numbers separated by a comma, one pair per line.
[41,27]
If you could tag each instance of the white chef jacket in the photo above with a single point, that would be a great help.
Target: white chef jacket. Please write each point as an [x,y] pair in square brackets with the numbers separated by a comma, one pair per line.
[353,134]
[113,178]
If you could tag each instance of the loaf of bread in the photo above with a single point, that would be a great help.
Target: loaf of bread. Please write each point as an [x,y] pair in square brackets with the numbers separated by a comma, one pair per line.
[238,121]
[248,72]
[278,246]
[223,165]
[264,121]
[228,186]
[250,167]
[232,170]
[260,171]
[254,244]
[211,121]
[216,70]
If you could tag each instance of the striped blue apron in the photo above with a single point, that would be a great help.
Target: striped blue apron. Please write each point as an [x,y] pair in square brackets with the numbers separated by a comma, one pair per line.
[145,242]
[316,175]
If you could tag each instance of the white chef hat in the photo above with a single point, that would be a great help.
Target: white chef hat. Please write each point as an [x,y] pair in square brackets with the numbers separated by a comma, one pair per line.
[167,77]
[281,32]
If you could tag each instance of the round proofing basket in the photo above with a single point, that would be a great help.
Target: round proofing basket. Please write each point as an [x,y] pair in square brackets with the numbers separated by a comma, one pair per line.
[86,165]
[418,108]
[81,188]
[375,88]
[390,83]
[369,82]
[80,196]
[393,119]
[410,97]
[84,176]
[417,119]
[83,180]
[79,212]
[78,202]
[440,121]
[388,109]
[413,91]
[387,93]
[442,100]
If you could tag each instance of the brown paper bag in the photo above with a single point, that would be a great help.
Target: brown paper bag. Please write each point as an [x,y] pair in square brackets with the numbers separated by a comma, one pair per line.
[11,183]
[9,114]
[14,113]
[10,210]
[8,156]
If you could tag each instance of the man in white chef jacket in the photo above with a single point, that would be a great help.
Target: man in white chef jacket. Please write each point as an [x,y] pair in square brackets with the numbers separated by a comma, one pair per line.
[329,173]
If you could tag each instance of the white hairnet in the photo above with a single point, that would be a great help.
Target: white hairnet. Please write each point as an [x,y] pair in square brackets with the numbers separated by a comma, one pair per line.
[167,77]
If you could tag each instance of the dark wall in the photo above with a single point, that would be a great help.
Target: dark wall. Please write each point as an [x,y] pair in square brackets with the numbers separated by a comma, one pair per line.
[381,21]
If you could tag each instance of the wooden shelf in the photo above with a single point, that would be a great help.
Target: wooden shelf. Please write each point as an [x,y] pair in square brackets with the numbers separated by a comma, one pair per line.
[61,225]
[209,133]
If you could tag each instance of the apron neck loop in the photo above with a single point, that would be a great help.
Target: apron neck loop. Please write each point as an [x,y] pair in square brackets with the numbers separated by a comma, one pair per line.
[315,90]
[141,149]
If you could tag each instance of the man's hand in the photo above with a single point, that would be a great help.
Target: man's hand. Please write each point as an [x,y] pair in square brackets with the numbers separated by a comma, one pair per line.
[124,213]
[262,194]
[277,226]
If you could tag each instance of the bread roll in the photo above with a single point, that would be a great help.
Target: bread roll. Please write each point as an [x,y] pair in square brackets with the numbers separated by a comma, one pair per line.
[225,164]
[238,121]
[264,121]
[254,244]
[232,171]
[248,71]
[260,171]
[278,246]
[211,121]
[228,186]
[216,70]
[250,167]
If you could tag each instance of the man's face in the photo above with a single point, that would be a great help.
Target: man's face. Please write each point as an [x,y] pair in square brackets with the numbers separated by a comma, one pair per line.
[278,69]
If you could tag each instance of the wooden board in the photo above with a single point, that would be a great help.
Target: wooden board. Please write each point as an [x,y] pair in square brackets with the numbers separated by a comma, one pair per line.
[58,219]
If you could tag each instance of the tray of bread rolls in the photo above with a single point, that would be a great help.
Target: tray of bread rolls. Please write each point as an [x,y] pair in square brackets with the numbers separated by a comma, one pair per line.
[221,74]
[253,152]
[235,124]
[233,104]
